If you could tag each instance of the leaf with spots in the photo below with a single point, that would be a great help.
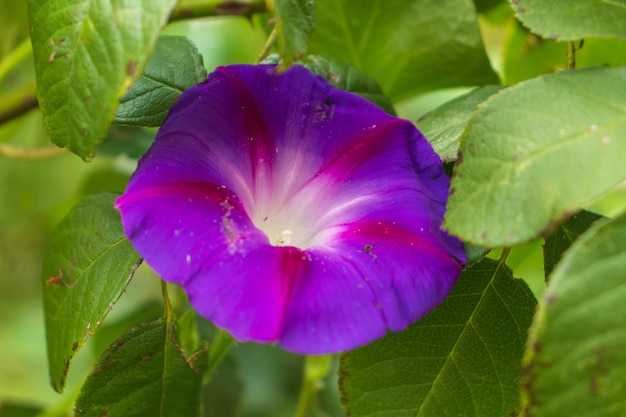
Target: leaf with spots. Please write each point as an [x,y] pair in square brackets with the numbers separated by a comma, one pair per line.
[461,359]
[561,239]
[175,66]
[87,265]
[87,52]
[572,20]
[145,373]
[575,357]
[534,153]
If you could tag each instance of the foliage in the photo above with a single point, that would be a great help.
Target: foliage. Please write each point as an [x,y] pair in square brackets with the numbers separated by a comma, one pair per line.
[536,143]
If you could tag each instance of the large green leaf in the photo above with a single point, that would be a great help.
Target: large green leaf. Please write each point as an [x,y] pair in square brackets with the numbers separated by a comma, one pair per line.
[561,239]
[87,265]
[294,24]
[463,359]
[575,358]
[408,47]
[570,20]
[537,151]
[145,373]
[175,66]
[87,52]
[444,126]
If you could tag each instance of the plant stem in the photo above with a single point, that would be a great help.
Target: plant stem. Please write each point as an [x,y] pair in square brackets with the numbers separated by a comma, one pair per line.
[218,8]
[29,154]
[315,369]
[571,53]
[220,345]
[504,254]
[166,301]
[271,40]
[15,57]
[18,102]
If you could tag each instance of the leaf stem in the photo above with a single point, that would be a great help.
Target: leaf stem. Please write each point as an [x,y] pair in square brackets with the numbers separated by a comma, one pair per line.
[315,369]
[220,345]
[166,301]
[15,57]
[30,154]
[271,40]
[504,255]
[245,8]
[18,102]
[571,53]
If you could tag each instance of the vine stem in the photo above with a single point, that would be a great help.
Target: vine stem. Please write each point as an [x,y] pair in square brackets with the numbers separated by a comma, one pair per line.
[504,254]
[166,301]
[30,154]
[271,41]
[315,369]
[571,53]
[220,345]
[15,57]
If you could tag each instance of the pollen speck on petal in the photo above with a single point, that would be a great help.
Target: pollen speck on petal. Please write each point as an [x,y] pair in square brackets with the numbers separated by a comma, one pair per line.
[292,212]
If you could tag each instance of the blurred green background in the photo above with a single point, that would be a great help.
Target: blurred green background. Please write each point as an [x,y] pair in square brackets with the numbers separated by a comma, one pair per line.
[35,193]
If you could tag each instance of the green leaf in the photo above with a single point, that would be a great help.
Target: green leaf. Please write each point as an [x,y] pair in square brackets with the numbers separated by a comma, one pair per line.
[145,373]
[575,357]
[111,330]
[444,126]
[346,77]
[175,66]
[572,20]
[561,239]
[87,265]
[435,44]
[536,152]
[463,359]
[474,253]
[295,23]
[87,52]
[128,140]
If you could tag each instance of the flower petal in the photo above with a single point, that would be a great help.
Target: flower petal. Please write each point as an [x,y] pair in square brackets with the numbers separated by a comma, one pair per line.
[250,161]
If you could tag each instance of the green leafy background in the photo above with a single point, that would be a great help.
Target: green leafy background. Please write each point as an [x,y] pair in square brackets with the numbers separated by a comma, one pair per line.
[481,77]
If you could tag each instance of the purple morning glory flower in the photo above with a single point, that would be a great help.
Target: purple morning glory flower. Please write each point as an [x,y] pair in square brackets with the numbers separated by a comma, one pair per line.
[293,212]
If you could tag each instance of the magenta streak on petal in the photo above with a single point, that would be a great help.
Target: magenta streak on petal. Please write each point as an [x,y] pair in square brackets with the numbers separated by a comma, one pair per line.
[211,193]
[206,194]
[262,152]
[384,244]
[379,231]
[251,300]
[365,146]
[291,264]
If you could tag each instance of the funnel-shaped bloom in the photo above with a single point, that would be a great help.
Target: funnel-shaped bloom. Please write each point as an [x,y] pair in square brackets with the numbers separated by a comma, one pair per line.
[293,212]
